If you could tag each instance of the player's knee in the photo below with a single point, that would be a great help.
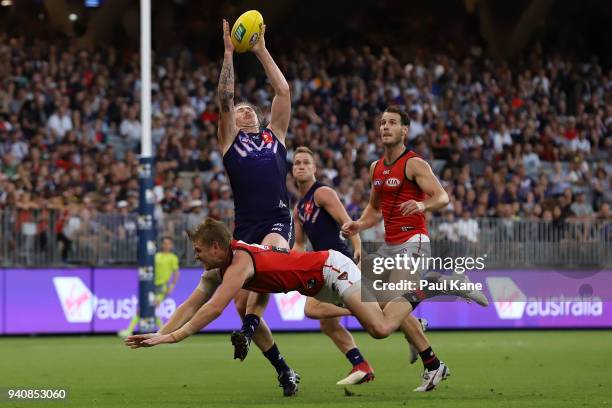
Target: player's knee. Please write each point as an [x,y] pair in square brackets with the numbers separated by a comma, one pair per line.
[312,311]
[379,330]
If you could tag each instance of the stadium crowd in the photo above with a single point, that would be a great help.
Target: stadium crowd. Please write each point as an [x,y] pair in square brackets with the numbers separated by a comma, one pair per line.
[531,140]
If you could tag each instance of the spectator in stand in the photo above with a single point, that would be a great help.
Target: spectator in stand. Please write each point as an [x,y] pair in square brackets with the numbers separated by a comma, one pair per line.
[467,228]
[60,122]
[602,188]
[130,128]
[448,228]
[580,208]
[71,226]
[195,214]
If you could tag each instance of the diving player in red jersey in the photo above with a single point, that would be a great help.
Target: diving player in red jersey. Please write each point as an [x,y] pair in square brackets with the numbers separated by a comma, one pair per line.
[254,157]
[403,188]
[231,266]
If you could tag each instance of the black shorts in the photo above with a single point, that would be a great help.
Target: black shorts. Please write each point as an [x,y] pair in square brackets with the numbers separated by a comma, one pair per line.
[254,232]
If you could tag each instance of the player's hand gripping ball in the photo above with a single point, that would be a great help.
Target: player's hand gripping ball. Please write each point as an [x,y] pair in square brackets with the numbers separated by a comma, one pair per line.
[247,30]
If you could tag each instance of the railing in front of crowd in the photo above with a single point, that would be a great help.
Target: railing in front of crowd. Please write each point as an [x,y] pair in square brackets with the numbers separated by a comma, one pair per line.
[37,238]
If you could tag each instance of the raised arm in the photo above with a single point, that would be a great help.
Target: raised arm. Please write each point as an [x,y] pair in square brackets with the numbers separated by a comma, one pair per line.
[227,124]
[281,104]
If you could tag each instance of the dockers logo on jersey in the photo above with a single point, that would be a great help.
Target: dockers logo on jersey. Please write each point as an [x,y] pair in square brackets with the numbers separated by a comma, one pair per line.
[267,137]
[308,213]
[255,143]
[308,207]
[392,182]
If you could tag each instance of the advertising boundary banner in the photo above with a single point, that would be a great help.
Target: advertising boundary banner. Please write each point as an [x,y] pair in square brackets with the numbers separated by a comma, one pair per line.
[102,300]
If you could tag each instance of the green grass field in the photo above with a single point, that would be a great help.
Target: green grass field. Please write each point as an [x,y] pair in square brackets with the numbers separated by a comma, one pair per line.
[501,369]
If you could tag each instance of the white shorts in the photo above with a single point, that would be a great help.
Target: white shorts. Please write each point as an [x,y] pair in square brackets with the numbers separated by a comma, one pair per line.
[341,278]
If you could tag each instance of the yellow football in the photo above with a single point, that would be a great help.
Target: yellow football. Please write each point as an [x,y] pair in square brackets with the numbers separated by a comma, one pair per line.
[247,30]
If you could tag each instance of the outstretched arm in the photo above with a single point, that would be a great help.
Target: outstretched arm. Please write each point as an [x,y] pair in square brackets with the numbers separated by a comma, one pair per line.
[184,312]
[227,123]
[281,104]
[233,280]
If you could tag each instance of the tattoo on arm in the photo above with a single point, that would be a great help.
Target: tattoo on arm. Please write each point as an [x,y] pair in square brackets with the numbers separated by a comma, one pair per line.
[226,84]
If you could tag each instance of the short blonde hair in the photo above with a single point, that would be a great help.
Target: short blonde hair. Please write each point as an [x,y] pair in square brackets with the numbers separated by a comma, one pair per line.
[210,231]
[304,149]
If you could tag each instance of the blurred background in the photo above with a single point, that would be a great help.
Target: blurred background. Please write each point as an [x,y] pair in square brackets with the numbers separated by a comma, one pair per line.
[510,102]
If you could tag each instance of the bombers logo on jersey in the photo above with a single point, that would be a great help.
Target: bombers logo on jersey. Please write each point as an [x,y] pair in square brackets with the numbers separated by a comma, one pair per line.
[392,182]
